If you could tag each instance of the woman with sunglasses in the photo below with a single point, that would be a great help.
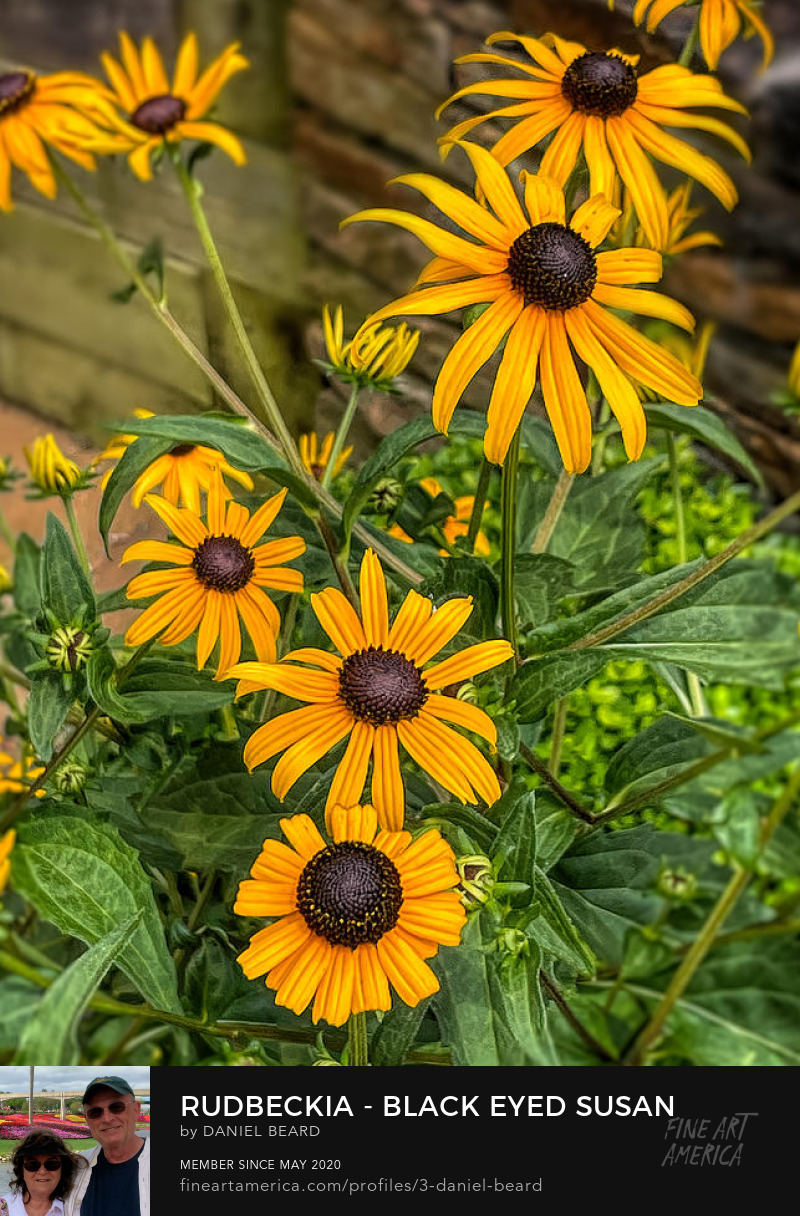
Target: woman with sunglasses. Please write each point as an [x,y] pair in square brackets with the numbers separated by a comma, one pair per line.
[44,1173]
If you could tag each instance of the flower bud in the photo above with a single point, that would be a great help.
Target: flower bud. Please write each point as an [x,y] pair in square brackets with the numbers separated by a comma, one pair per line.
[70,777]
[6,584]
[50,469]
[477,880]
[677,884]
[69,648]
[386,496]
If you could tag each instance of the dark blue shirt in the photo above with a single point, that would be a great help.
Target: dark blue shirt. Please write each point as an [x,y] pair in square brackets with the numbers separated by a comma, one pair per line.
[113,1189]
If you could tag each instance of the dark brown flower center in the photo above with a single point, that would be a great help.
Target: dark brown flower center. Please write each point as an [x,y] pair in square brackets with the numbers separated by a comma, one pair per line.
[350,893]
[552,266]
[381,686]
[600,83]
[15,88]
[183,449]
[158,114]
[222,563]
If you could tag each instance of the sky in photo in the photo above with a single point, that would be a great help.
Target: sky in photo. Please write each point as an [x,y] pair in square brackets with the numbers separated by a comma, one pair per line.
[62,1077]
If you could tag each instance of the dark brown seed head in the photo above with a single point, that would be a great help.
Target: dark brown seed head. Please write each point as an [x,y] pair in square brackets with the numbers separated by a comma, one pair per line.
[15,88]
[381,686]
[601,84]
[222,563]
[552,266]
[158,115]
[183,449]
[350,893]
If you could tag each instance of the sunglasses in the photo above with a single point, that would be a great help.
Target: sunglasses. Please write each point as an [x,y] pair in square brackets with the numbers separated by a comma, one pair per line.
[32,1164]
[116,1108]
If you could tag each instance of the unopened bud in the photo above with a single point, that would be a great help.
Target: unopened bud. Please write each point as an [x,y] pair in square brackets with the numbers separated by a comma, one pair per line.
[677,884]
[69,648]
[477,880]
[386,497]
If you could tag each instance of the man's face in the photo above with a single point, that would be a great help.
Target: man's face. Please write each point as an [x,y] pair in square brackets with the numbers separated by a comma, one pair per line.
[111,1128]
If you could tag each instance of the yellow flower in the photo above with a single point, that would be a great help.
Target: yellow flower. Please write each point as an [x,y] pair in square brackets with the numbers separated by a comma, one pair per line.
[315,455]
[16,775]
[691,352]
[794,372]
[597,101]
[680,217]
[50,469]
[720,23]
[377,692]
[375,356]
[547,288]
[454,525]
[218,571]
[156,111]
[184,471]
[59,110]
[353,916]
[6,584]
[6,845]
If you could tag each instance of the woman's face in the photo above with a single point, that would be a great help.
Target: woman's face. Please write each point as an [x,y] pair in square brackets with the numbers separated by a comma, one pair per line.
[42,1174]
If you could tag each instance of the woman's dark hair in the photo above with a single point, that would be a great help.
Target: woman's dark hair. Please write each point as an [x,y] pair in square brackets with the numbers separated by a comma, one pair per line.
[40,1144]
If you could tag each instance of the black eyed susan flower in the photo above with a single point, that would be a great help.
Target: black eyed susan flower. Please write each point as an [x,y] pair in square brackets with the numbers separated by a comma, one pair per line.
[183,473]
[550,291]
[721,21]
[316,456]
[6,845]
[156,110]
[374,357]
[51,471]
[355,916]
[597,101]
[217,576]
[454,525]
[16,775]
[680,217]
[59,110]
[379,691]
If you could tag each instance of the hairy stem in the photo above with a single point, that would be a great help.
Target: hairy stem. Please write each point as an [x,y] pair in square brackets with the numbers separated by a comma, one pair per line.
[358,1045]
[508,507]
[72,520]
[551,516]
[693,684]
[478,504]
[341,437]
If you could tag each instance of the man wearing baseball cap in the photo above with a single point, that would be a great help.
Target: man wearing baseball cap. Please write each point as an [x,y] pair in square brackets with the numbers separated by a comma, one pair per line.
[118,1181]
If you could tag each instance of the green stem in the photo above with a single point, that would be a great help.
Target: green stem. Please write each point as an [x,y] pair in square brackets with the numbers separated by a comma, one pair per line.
[705,938]
[699,708]
[358,1046]
[688,48]
[202,900]
[508,508]
[478,504]
[72,520]
[551,516]
[192,192]
[163,315]
[561,792]
[338,562]
[697,576]
[341,437]
[557,737]
[7,535]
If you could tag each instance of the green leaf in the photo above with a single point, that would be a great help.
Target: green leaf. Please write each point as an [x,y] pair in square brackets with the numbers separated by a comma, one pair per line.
[539,682]
[133,462]
[742,1007]
[541,582]
[556,829]
[389,451]
[157,688]
[234,437]
[517,1002]
[19,1001]
[395,1034]
[739,831]
[27,585]
[65,589]
[216,820]
[707,427]
[48,707]
[516,840]
[51,1035]
[554,931]
[214,980]
[598,530]
[84,878]
[464,1003]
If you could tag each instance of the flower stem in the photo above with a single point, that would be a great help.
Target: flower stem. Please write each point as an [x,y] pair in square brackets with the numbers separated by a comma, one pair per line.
[716,917]
[554,508]
[557,737]
[358,1053]
[192,192]
[341,437]
[688,48]
[770,521]
[478,504]
[69,511]
[508,508]
[699,708]
[7,535]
